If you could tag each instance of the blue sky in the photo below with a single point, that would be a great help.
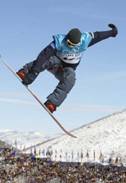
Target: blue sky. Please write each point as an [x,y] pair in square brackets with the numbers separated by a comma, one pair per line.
[26,28]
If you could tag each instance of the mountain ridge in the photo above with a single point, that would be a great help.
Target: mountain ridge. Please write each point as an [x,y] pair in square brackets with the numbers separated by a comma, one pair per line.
[105,135]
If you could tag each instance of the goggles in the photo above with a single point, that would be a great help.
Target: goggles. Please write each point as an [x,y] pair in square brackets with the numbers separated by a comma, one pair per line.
[70,44]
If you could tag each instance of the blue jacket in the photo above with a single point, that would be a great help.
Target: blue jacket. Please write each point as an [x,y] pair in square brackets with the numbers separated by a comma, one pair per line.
[71,55]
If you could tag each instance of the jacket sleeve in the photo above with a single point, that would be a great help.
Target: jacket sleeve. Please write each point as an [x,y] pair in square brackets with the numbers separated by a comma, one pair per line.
[99,36]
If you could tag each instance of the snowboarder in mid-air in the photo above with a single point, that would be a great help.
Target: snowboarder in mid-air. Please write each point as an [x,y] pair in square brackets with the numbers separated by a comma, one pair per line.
[61,57]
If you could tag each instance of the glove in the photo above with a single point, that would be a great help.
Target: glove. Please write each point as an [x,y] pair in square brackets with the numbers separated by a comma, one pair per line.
[114,30]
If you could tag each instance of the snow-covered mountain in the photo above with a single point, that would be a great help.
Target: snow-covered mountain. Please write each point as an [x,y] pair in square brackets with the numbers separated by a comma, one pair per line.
[106,136]
[21,139]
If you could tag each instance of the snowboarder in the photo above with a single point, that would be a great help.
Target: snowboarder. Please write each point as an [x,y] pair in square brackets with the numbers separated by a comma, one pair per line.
[61,57]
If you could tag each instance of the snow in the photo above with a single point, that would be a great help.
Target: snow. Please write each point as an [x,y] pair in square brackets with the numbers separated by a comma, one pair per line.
[21,139]
[106,136]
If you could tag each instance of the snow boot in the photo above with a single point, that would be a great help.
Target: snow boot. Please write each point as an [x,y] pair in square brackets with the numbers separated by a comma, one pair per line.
[21,73]
[50,106]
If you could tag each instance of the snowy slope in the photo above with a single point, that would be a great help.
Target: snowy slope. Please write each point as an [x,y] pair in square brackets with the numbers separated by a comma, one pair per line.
[21,139]
[106,136]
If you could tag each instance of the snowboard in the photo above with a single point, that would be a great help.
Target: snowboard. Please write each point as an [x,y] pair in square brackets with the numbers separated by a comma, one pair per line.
[37,99]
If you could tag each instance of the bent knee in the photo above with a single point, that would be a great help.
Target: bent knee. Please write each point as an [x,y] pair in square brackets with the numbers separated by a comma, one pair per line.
[69,78]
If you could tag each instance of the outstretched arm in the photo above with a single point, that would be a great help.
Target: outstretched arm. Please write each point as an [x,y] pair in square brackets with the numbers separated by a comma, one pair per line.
[99,36]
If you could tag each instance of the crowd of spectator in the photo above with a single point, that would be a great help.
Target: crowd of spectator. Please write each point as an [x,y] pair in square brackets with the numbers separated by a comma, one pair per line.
[16,167]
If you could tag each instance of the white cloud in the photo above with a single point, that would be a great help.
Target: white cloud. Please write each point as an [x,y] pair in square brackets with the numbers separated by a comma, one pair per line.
[17,101]
[92,108]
